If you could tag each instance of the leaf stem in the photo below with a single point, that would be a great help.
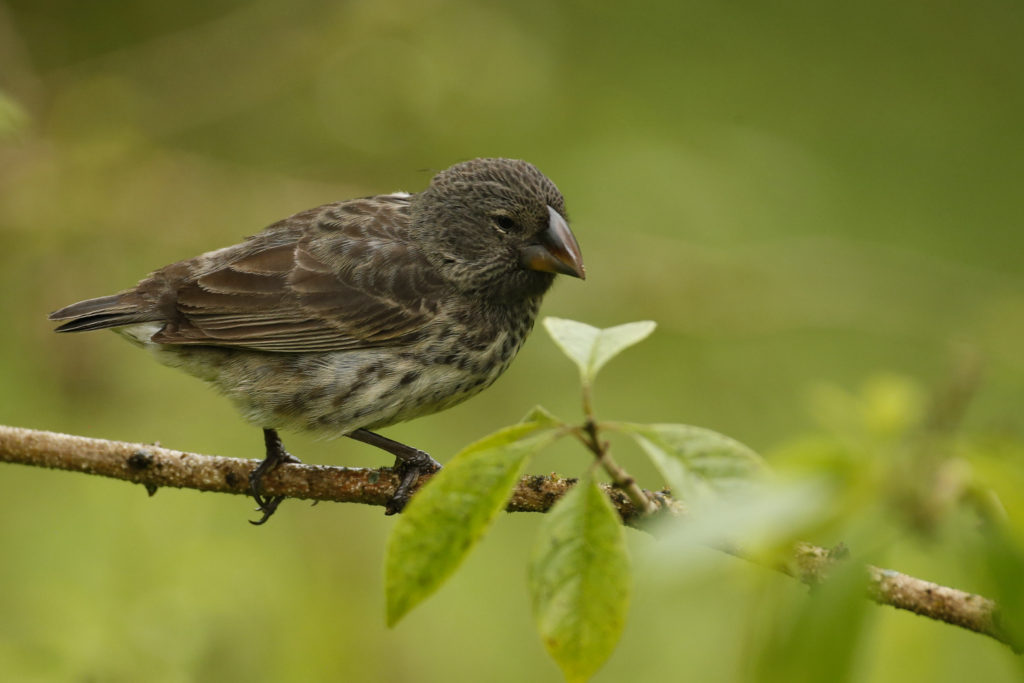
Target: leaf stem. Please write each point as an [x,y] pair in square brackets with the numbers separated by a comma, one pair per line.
[588,400]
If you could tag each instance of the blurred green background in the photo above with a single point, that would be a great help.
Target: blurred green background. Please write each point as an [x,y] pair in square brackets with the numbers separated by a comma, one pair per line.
[802,196]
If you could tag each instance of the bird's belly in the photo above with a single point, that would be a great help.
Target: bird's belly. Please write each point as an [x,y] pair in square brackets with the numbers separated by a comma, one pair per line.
[336,393]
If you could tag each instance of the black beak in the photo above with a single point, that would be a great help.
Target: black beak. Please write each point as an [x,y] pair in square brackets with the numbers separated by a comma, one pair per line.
[555,251]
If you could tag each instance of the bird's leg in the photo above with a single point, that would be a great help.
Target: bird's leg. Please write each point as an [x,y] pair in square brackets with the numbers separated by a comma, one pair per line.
[276,455]
[410,464]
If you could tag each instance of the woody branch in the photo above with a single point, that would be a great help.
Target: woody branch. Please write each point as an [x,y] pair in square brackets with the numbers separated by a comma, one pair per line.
[155,467]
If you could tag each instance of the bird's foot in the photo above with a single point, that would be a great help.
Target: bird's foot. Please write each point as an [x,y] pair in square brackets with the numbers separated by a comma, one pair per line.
[410,464]
[276,456]
[265,505]
[409,467]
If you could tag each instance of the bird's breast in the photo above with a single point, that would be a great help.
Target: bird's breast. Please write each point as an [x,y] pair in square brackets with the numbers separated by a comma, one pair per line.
[334,393]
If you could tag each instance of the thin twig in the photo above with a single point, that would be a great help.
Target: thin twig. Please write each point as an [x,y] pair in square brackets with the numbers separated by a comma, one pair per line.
[620,477]
[590,438]
[155,467]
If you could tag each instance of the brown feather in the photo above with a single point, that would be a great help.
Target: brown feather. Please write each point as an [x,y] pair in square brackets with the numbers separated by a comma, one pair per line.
[320,290]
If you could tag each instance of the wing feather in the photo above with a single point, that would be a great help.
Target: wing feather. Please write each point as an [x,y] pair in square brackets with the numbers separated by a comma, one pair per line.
[345,280]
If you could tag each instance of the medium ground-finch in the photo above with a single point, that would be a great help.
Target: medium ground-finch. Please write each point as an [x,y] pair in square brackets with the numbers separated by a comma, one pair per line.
[358,314]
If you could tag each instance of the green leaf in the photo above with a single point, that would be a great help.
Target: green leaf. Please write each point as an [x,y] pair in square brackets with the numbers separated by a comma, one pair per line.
[817,639]
[590,347]
[763,519]
[542,416]
[580,580]
[696,462]
[447,517]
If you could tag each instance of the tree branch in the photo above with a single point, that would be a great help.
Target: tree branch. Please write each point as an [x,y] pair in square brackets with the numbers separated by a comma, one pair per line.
[155,467]
[973,612]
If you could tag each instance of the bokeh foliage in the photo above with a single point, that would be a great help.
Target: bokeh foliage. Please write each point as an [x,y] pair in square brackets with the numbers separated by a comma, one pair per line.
[818,204]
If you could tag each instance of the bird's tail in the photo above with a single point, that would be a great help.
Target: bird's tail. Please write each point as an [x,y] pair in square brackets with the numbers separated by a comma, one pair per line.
[115,310]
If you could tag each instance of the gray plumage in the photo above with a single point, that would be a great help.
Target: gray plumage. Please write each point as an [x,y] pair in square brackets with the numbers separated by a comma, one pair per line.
[361,313]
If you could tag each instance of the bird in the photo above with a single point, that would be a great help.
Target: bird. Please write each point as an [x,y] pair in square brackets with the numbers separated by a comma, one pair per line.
[358,314]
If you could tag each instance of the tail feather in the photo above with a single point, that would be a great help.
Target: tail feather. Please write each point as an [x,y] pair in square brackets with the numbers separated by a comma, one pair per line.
[104,312]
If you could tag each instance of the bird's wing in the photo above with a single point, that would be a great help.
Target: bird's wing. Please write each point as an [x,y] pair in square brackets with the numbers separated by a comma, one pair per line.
[346,281]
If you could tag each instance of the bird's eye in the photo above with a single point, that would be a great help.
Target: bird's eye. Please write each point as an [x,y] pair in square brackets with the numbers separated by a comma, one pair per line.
[504,223]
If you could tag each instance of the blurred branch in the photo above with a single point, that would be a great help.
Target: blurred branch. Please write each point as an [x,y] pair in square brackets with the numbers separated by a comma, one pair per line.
[888,587]
[155,467]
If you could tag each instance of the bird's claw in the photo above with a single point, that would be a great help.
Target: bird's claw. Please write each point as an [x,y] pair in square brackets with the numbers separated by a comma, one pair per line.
[409,468]
[276,456]
[267,506]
